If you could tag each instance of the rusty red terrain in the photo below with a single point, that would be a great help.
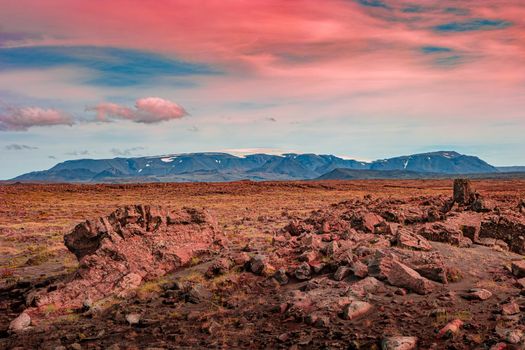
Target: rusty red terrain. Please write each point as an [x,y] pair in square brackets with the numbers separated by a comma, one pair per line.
[292,265]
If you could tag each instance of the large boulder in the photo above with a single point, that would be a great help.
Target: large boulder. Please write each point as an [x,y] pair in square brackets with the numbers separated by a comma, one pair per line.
[133,244]
[509,228]
[463,193]
[386,266]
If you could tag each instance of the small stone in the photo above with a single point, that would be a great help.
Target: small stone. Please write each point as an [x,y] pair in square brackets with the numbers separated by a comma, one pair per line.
[281,277]
[219,267]
[308,256]
[303,272]
[477,294]
[322,321]
[133,319]
[512,336]
[20,323]
[197,294]
[399,343]
[518,268]
[359,269]
[410,240]
[341,273]
[521,283]
[76,346]
[356,309]
[331,248]
[258,264]
[87,304]
[511,308]
[241,258]
[317,267]
[283,337]
[211,327]
[450,329]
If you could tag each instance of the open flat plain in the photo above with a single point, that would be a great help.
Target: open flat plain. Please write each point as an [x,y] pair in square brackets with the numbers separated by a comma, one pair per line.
[292,265]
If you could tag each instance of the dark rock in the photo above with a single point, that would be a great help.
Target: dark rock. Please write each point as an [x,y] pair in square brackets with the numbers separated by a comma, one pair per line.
[197,294]
[259,265]
[281,277]
[518,268]
[303,272]
[463,193]
[342,272]
[508,228]
[219,267]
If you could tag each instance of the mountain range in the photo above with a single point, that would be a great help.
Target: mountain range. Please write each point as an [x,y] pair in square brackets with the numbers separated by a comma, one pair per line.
[216,167]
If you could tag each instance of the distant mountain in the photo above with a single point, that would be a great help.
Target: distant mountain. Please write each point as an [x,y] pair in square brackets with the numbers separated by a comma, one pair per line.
[448,162]
[511,169]
[212,167]
[352,174]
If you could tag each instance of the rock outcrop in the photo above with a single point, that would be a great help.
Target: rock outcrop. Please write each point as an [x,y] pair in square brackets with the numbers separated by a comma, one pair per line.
[133,244]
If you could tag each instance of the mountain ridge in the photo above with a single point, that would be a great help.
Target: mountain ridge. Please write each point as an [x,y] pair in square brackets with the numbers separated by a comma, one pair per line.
[217,166]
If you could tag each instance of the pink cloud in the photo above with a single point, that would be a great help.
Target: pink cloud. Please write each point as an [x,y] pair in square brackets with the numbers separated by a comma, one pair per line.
[21,119]
[148,110]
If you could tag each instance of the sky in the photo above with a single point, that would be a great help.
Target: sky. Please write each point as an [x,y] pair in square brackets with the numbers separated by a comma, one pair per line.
[362,79]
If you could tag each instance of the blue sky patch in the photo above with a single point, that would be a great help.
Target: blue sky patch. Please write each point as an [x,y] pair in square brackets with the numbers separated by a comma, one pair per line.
[373,3]
[473,25]
[116,67]
[435,49]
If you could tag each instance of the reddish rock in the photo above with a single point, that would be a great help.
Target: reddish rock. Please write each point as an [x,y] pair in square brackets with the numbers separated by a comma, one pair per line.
[341,273]
[430,265]
[388,268]
[21,323]
[399,343]
[116,253]
[409,240]
[468,223]
[477,294]
[303,272]
[509,228]
[450,329]
[365,286]
[442,232]
[219,267]
[367,221]
[356,309]
[385,228]
[294,228]
[359,269]
[241,258]
[308,256]
[511,308]
[518,268]
[510,335]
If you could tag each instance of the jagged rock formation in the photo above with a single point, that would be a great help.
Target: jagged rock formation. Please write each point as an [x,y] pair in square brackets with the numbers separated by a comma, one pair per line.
[133,244]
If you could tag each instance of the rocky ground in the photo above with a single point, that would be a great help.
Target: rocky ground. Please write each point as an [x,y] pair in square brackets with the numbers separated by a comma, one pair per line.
[350,265]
